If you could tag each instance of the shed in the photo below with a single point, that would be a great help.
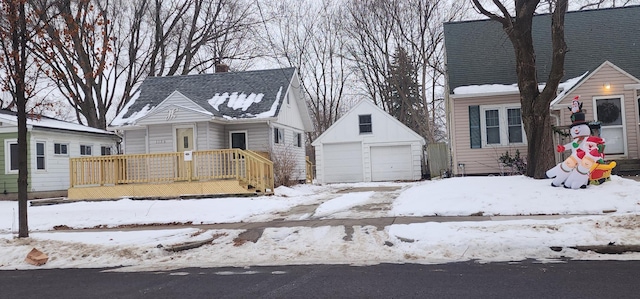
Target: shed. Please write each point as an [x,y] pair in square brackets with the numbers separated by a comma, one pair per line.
[368,145]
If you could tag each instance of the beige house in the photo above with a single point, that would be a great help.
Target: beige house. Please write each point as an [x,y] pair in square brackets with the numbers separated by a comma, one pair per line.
[483,104]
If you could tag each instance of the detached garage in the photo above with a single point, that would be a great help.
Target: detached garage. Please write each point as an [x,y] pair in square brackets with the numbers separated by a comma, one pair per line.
[367,144]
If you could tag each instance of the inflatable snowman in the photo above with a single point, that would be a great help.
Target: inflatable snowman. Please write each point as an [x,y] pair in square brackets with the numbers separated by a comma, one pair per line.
[580,131]
[590,157]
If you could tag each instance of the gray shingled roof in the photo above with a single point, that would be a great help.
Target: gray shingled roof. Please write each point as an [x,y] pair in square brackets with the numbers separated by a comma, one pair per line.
[479,52]
[201,88]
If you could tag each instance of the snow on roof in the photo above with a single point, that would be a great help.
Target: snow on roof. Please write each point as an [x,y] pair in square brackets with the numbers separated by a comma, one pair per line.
[235,100]
[274,107]
[566,86]
[47,122]
[502,88]
[248,94]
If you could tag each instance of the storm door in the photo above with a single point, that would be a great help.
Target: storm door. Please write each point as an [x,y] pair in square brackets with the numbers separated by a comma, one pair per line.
[609,112]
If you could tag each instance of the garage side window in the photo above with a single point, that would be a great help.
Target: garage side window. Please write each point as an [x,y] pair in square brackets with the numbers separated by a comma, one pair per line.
[365,123]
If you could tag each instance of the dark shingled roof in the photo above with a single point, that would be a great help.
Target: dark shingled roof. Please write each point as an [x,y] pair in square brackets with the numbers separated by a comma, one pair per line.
[203,87]
[479,52]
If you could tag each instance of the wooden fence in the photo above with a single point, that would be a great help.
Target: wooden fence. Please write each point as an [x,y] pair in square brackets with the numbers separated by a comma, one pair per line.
[439,161]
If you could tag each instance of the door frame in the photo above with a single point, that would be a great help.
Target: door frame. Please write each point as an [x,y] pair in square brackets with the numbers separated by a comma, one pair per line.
[174,129]
[623,119]
[246,138]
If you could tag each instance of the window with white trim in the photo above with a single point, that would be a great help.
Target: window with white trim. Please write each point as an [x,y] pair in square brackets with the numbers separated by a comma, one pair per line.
[40,155]
[364,123]
[60,148]
[11,156]
[105,150]
[501,125]
[298,139]
[278,135]
[85,150]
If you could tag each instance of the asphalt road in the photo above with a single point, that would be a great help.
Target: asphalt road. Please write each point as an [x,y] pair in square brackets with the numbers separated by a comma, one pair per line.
[573,279]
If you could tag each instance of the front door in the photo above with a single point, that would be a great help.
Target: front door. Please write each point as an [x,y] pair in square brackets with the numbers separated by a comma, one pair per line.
[239,140]
[609,112]
[184,139]
[184,142]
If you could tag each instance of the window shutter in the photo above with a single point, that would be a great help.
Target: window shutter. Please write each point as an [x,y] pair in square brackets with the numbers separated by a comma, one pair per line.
[474,126]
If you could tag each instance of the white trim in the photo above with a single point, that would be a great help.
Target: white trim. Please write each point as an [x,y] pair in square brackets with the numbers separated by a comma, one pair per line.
[35,156]
[281,139]
[246,138]
[622,115]
[61,143]
[583,80]
[194,135]
[503,125]
[90,145]
[454,96]
[631,86]
[7,156]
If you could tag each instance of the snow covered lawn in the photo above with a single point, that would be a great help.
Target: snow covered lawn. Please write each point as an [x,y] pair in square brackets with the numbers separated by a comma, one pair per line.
[594,216]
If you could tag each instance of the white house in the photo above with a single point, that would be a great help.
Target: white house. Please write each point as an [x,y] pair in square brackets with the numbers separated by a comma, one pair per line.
[50,144]
[367,144]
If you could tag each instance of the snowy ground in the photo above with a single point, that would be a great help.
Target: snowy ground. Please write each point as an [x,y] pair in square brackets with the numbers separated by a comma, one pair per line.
[594,216]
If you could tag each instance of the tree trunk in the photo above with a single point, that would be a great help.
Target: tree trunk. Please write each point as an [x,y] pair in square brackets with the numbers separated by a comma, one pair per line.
[19,42]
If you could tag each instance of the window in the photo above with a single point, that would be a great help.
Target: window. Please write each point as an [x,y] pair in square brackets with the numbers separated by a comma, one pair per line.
[514,123]
[60,149]
[278,135]
[495,125]
[365,123]
[298,139]
[85,150]
[105,150]
[40,155]
[11,156]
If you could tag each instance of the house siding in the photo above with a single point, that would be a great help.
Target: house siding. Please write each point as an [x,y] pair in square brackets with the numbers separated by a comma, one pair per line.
[161,139]
[478,160]
[289,112]
[290,150]
[258,136]
[9,181]
[55,176]
[594,87]
[385,131]
[135,141]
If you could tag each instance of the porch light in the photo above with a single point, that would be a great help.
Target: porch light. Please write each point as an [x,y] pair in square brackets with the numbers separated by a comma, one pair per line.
[607,85]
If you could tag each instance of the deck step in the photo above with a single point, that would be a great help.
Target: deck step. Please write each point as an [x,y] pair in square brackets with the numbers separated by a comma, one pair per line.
[626,167]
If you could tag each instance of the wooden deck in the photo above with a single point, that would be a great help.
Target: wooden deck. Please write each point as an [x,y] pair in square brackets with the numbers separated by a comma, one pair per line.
[166,175]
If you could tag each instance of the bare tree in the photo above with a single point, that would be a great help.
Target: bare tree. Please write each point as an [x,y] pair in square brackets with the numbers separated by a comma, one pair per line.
[195,35]
[311,37]
[378,28]
[77,48]
[14,38]
[371,29]
[534,104]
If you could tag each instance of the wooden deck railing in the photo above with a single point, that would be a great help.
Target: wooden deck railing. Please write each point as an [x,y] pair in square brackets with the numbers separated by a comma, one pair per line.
[246,166]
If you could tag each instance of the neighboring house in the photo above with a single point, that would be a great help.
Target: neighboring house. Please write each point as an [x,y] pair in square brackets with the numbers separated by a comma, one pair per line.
[50,144]
[262,111]
[483,102]
[367,144]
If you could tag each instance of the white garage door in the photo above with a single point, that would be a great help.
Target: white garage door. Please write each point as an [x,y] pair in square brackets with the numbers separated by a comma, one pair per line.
[342,163]
[389,163]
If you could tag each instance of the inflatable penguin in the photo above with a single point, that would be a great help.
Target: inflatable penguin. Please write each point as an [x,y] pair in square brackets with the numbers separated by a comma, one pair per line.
[580,131]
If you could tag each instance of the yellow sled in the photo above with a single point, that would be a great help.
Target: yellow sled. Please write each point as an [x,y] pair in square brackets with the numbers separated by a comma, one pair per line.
[601,173]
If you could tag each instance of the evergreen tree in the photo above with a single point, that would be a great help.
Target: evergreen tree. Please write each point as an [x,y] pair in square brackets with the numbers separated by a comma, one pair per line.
[404,101]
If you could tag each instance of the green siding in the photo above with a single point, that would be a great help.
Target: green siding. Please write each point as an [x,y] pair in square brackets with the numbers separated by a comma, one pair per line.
[10,181]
